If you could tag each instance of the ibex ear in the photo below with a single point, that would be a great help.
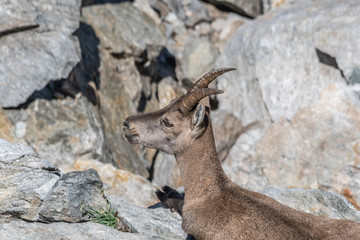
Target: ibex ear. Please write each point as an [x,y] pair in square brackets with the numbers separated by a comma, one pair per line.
[198,126]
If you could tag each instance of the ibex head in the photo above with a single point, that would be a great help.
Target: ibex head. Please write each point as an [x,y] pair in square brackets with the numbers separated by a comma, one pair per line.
[176,126]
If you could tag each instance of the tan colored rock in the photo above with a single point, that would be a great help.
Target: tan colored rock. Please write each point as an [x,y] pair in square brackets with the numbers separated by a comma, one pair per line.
[6,127]
[121,184]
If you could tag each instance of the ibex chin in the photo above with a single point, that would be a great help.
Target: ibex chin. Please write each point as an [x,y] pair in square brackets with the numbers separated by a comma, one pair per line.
[215,207]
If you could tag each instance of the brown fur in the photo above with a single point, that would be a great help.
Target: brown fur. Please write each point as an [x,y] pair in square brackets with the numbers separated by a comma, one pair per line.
[215,207]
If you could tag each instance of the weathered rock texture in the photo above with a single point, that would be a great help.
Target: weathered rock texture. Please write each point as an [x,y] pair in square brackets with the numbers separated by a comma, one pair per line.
[36,46]
[247,8]
[62,131]
[291,77]
[321,203]
[22,230]
[34,190]
[158,222]
[121,184]
[123,29]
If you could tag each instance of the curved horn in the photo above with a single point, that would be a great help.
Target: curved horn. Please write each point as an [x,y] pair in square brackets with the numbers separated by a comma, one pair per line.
[191,99]
[205,80]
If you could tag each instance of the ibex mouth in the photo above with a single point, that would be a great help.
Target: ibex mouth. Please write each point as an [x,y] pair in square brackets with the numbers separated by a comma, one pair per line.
[132,138]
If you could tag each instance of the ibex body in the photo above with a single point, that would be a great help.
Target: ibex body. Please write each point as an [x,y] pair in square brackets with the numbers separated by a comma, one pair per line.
[215,207]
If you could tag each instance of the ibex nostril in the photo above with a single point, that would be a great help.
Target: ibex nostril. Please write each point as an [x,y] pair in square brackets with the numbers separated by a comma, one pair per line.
[126,124]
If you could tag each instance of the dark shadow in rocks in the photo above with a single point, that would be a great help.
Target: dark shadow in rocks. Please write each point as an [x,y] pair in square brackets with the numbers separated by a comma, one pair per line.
[87,70]
[329,60]
[92,2]
[230,7]
[153,64]
[83,75]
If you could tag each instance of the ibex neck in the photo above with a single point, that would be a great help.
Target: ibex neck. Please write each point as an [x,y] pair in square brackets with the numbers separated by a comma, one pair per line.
[200,167]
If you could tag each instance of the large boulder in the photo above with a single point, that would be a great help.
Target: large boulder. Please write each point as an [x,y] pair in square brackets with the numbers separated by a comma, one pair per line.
[36,46]
[62,131]
[32,189]
[292,64]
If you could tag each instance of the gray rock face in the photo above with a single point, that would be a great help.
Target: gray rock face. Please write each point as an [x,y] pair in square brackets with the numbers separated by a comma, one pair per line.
[166,171]
[268,57]
[269,5]
[199,56]
[53,50]
[21,230]
[35,190]
[329,131]
[190,12]
[158,222]
[123,28]
[25,180]
[280,73]
[73,190]
[64,130]
[16,15]
[116,75]
[318,202]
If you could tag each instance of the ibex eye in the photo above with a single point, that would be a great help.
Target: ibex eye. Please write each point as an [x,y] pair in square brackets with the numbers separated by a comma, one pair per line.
[167,123]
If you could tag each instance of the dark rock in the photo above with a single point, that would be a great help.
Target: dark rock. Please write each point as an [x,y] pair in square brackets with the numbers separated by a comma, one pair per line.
[70,194]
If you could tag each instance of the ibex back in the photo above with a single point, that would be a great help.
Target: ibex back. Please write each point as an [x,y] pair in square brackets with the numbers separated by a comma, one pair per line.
[215,207]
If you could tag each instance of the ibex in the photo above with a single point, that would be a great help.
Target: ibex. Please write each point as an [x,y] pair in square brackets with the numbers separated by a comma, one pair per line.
[215,207]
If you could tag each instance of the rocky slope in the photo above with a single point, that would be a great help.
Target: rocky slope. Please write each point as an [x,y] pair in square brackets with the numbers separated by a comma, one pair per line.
[70,73]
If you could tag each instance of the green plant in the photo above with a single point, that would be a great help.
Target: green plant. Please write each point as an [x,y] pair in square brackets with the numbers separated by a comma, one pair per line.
[107,217]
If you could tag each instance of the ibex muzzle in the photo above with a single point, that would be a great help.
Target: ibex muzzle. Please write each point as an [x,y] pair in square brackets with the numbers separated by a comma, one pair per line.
[174,127]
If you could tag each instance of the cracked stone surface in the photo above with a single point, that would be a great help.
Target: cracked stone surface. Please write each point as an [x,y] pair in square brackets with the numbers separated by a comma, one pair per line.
[37,37]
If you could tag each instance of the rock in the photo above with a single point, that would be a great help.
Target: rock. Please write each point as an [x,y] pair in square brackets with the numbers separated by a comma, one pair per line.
[274,80]
[25,180]
[16,16]
[146,7]
[317,202]
[166,171]
[122,29]
[198,57]
[227,129]
[319,147]
[269,5]
[71,192]
[6,127]
[266,58]
[155,222]
[119,101]
[22,230]
[121,184]
[35,190]
[247,8]
[64,130]
[50,49]
[190,12]
[224,28]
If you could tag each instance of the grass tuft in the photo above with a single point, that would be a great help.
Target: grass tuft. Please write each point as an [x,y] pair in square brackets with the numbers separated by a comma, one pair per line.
[107,217]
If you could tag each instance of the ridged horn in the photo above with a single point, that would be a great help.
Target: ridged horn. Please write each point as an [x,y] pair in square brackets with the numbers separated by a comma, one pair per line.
[205,80]
[191,99]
